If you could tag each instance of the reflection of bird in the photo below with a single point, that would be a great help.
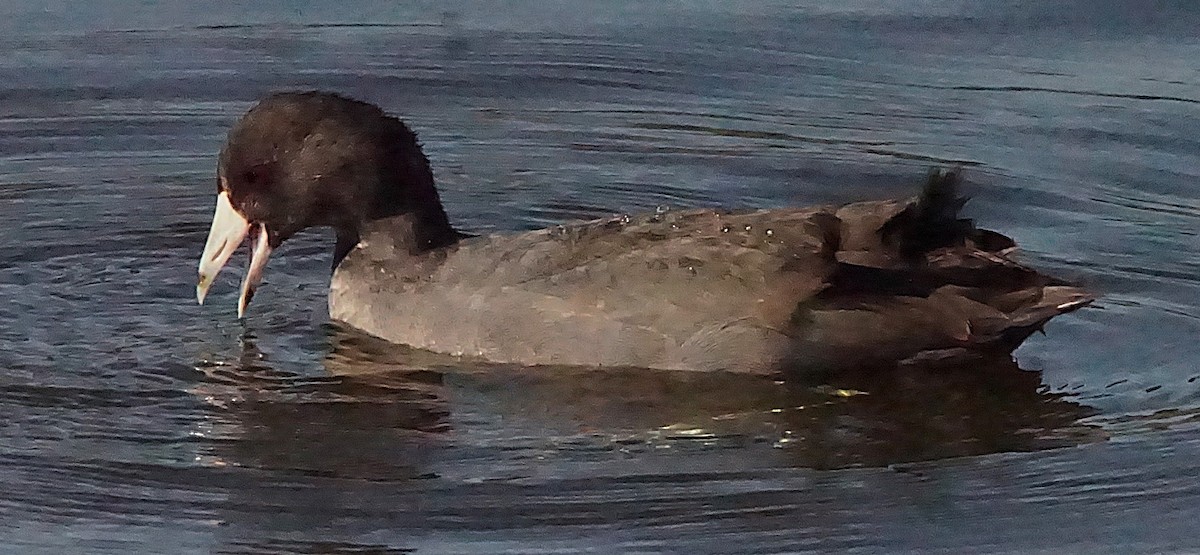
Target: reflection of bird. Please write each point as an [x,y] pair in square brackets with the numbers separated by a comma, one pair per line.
[380,426]
[384,409]
[498,450]
[871,419]
[801,288]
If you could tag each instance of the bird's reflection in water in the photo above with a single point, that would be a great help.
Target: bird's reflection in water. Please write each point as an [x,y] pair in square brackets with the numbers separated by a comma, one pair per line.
[382,428]
[403,444]
[385,412]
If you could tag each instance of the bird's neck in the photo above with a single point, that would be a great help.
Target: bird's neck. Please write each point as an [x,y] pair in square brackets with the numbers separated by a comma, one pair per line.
[414,232]
[408,209]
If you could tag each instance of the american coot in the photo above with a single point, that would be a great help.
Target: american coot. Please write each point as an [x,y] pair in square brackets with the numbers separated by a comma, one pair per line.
[804,289]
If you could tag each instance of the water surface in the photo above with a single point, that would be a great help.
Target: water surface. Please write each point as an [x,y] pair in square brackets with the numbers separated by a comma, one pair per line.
[135,421]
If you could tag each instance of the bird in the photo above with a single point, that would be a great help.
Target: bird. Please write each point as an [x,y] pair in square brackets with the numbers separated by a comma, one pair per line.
[794,290]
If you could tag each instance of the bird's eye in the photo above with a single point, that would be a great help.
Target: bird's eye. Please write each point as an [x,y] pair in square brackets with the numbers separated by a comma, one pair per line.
[258,176]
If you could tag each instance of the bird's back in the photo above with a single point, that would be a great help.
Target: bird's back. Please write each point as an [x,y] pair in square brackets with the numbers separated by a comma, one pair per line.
[805,289]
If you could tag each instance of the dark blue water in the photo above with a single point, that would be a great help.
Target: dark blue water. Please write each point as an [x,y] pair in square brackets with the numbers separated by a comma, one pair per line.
[135,421]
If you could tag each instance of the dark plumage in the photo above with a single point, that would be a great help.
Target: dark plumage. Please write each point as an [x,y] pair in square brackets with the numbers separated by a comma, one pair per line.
[801,289]
[315,159]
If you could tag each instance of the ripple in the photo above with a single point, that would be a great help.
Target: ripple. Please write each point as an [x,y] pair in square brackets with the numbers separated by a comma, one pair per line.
[137,421]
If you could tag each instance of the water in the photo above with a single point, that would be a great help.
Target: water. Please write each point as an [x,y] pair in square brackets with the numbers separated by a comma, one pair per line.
[135,421]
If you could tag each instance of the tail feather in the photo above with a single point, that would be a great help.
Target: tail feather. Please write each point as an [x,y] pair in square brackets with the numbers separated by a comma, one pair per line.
[1006,334]
[932,283]
[931,221]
